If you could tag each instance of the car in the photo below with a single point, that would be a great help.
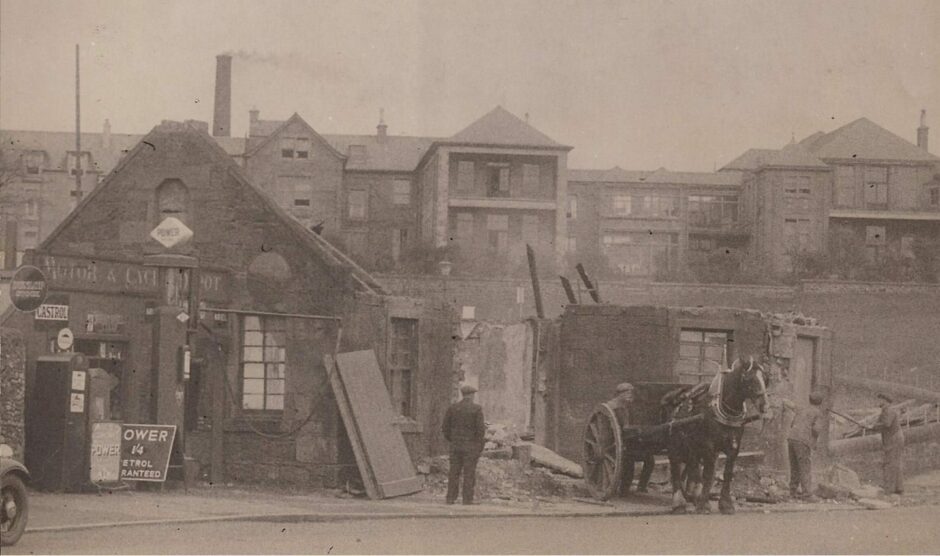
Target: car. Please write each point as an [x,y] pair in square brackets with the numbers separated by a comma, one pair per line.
[14,503]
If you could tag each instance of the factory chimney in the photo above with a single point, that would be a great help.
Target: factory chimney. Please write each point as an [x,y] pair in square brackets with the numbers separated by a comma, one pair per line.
[922,131]
[222,122]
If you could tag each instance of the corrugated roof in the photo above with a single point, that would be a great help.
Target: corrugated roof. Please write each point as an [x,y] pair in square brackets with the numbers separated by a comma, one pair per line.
[500,127]
[57,144]
[865,140]
[394,153]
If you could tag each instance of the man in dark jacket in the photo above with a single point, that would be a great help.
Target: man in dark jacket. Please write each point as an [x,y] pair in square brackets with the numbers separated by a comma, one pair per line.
[892,443]
[621,406]
[464,428]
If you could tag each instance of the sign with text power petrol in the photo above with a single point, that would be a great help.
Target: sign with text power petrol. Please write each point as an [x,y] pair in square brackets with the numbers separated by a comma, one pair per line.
[28,288]
[171,232]
[145,452]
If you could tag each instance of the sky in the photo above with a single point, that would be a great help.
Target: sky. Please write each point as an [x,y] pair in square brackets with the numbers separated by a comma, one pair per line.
[685,85]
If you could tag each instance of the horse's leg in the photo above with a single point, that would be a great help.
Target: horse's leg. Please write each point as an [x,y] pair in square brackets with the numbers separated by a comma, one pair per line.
[725,502]
[675,474]
[703,504]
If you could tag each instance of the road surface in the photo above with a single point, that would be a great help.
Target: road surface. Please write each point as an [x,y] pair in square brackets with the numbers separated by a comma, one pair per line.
[900,530]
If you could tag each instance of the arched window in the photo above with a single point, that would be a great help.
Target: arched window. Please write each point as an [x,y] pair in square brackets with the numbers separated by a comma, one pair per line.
[173,200]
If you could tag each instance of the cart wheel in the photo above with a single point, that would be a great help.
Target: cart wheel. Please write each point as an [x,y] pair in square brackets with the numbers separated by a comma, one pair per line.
[602,453]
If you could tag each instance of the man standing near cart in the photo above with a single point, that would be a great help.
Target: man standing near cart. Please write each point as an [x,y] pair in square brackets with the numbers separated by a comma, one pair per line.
[620,405]
[465,429]
[807,424]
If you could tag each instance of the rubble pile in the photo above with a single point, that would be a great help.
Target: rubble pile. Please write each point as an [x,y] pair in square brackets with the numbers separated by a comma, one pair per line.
[505,479]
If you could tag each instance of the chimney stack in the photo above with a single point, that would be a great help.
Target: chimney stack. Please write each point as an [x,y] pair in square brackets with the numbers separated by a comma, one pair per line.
[922,131]
[382,128]
[222,122]
[106,135]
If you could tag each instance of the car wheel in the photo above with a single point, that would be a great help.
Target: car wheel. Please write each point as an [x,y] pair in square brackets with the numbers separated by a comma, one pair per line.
[14,509]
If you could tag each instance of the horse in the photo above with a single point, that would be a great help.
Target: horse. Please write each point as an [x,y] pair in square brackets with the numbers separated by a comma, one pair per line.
[714,423]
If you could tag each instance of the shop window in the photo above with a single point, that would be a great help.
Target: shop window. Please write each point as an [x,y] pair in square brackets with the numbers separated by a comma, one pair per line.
[403,364]
[358,201]
[401,192]
[497,180]
[702,353]
[465,176]
[572,207]
[263,363]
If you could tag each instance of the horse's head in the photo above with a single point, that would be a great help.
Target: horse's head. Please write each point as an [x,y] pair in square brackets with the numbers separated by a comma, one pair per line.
[752,381]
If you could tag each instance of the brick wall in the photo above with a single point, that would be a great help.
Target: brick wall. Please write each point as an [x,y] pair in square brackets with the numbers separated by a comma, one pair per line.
[12,390]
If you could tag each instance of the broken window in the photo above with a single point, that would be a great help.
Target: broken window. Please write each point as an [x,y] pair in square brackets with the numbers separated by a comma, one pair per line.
[403,364]
[263,363]
[702,354]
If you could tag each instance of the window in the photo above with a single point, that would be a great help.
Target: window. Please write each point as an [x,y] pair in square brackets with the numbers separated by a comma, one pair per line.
[907,247]
[294,147]
[530,229]
[702,353]
[399,241]
[264,361]
[713,211]
[845,186]
[34,162]
[497,227]
[401,192]
[465,176]
[797,194]
[573,207]
[876,187]
[72,161]
[358,200]
[32,208]
[403,364]
[301,193]
[173,200]
[622,205]
[531,178]
[933,197]
[464,229]
[497,180]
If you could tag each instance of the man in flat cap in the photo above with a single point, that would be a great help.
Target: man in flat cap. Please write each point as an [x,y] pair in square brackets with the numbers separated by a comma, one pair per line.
[892,443]
[465,429]
[626,393]
[807,424]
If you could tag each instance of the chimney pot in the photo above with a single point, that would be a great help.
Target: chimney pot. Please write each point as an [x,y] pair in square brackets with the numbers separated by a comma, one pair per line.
[922,131]
[222,121]
[382,128]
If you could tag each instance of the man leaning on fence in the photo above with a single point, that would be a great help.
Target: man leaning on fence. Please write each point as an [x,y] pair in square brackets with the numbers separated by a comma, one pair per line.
[807,424]
[465,429]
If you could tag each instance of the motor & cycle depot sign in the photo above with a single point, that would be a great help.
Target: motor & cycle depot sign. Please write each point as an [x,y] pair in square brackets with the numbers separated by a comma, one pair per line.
[130,452]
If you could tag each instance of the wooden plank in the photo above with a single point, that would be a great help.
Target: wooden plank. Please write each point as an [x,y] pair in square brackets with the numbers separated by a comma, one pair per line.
[368,480]
[374,418]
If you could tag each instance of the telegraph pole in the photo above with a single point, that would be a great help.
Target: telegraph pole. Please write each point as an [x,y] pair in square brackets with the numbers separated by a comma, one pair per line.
[78,132]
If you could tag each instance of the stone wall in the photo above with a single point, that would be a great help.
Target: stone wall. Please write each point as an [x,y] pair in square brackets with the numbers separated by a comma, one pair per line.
[12,391]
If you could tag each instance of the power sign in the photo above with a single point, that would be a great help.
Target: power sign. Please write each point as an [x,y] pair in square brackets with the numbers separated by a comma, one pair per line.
[145,452]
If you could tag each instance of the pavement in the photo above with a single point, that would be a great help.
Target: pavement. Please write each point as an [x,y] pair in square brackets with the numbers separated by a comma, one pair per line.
[70,511]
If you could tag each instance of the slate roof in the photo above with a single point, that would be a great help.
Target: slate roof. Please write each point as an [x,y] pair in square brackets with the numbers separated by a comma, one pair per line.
[793,154]
[58,143]
[330,255]
[500,127]
[394,153]
[865,140]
